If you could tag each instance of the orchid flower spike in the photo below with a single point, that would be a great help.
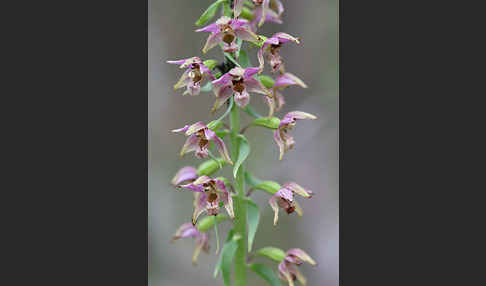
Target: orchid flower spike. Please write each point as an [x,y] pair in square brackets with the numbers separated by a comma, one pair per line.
[284,198]
[198,141]
[202,239]
[271,47]
[238,82]
[287,269]
[185,175]
[266,11]
[193,76]
[208,193]
[283,81]
[284,141]
[225,30]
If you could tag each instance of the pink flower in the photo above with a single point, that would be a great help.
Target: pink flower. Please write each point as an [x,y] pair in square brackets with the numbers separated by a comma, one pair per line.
[193,76]
[284,198]
[202,239]
[238,82]
[208,193]
[225,30]
[287,269]
[198,141]
[271,48]
[184,175]
[277,101]
[266,11]
[284,141]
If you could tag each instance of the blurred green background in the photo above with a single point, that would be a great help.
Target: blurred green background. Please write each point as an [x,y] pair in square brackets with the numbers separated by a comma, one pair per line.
[313,162]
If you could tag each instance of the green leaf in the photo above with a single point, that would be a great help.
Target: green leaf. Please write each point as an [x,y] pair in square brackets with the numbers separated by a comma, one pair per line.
[253,219]
[270,187]
[208,167]
[207,223]
[207,87]
[251,180]
[244,60]
[239,42]
[211,64]
[274,253]
[244,150]
[266,273]
[209,13]
[266,80]
[247,14]
[218,264]
[269,122]
[227,11]
[230,57]
[226,259]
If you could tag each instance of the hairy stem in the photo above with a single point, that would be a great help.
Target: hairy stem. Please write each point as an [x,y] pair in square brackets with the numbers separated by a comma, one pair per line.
[240,204]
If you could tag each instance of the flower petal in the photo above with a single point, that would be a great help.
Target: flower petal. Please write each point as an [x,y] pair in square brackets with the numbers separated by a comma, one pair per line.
[253,85]
[273,203]
[238,6]
[183,80]
[261,60]
[185,230]
[177,62]
[298,209]
[270,101]
[280,142]
[222,96]
[300,115]
[212,41]
[185,174]
[246,35]
[183,129]
[223,80]
[200,204]
[298,189]
[302,255]
[195,128]
[190,145]
[280,101]
[226,198]
[202,180]
[213,28]
[285,193]
[242,99]
[284,272]
[222,149]
[249,72]
[288,79]
[284,37]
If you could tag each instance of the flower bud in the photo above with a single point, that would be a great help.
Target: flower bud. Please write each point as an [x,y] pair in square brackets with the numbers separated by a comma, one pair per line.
[274,253]
[207,223]
[210,166]
[269,122]
[267,81]
[270,187]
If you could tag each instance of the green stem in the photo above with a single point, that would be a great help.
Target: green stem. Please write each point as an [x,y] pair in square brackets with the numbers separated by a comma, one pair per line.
[240,205]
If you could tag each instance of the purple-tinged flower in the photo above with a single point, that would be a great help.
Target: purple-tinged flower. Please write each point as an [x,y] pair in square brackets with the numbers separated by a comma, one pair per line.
[225,30]
[271,48]
[287,269]
[202,239]
[193,76]
[266,11]
[283,81]
[284,198]
[184,175]
[284,141]
[238,82]
[208,193]
[198,141]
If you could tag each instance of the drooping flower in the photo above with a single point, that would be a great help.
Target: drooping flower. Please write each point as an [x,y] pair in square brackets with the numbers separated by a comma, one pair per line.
[271,48]
[284,198]
[284,141]
[283,81]
[193,76]
[266,11]
[238,82]
[225,30]
[198,141]
[208,193]
[287,269]
[202,239]
[184,175]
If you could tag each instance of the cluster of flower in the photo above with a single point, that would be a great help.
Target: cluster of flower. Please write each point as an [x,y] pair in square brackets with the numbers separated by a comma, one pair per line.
[234,84]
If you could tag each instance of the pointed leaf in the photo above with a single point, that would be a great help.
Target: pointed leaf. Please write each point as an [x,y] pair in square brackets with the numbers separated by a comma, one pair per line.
[244,60]
[209,13]
[274,253]
[266,273]
[269,122]
[244,150]
[253,219]
[217,268]
[226,259]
